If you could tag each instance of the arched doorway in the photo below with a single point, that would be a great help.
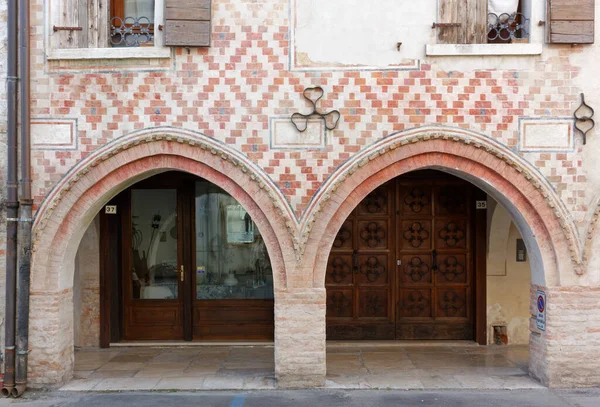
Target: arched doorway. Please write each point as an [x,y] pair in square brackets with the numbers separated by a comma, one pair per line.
[189,264]
[405,265]
[83,193]
[554,250]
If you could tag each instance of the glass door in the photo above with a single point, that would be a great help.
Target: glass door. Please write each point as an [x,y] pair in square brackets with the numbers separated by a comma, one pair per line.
[233,279]
[154,274]
[194,264]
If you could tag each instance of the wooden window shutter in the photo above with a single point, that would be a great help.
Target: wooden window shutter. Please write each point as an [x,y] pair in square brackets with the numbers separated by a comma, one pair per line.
[570,22]
[187,23]
[467,19]
[89,15]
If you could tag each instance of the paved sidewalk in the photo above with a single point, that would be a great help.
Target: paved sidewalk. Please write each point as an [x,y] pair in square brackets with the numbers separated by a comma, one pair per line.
[364,365]
[317,398]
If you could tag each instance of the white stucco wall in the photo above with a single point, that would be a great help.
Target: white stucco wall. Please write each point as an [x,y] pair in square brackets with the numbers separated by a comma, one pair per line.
[354,32]
[508,281]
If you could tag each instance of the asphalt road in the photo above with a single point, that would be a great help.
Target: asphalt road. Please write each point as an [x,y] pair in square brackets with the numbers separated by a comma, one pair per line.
[315,398]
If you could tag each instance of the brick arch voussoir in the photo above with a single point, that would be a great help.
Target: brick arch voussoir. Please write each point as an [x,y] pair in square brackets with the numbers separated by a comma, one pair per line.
[515,183]
[82,193]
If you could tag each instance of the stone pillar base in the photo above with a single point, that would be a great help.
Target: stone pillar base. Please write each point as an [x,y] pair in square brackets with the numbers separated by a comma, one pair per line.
[290,381]
[300,338]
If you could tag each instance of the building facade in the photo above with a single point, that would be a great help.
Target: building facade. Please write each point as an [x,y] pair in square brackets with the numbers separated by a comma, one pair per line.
[298,171]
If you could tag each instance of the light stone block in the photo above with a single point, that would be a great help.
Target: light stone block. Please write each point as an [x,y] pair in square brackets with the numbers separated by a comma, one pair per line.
[546,135]
[53,134]
[284,134]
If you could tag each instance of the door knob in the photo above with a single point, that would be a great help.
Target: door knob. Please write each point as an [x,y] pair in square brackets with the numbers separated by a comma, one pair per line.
[181,271]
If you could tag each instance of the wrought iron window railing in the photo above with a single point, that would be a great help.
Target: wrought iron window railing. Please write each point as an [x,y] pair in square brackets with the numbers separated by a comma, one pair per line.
[131,31]
[507,27]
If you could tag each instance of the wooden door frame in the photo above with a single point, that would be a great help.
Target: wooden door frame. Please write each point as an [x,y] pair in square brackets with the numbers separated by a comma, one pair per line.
[110,271]
[480,249]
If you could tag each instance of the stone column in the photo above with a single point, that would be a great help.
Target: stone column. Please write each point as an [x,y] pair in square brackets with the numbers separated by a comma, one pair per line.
[300,338]
[567,353]
[51,357]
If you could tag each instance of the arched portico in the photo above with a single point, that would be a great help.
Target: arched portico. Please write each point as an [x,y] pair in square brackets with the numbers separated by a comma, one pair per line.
[550,235]
[298,250]
[74,202]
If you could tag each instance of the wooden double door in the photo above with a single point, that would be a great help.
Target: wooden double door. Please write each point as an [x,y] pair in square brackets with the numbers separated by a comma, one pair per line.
[403,264]
[173,268]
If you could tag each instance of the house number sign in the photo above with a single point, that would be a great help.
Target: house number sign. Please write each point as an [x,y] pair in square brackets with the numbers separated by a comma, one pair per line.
[110,209]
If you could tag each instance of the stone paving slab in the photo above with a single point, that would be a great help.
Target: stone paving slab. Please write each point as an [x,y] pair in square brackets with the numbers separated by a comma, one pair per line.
[351,366]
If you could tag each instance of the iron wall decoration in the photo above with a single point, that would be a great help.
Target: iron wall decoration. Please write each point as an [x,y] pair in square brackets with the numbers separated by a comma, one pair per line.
[313,95]
[584,121]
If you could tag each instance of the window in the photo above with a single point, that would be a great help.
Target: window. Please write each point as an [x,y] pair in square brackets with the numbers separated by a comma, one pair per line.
[480,22]
[130,29]
[131,23]
[506,22]
[125,23]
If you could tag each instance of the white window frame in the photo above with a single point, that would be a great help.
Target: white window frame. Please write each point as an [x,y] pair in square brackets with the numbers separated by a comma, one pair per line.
[537,12]
[158,51]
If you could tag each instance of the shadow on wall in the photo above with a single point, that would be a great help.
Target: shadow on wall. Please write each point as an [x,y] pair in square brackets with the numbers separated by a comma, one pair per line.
[508,281]
[86,290]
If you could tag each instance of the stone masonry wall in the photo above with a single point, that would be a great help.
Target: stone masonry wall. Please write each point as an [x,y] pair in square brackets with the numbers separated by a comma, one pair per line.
[86,290]
[569,351]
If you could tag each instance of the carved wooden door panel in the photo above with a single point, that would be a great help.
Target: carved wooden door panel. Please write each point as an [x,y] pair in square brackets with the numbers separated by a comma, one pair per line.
[359,278]
[435,276]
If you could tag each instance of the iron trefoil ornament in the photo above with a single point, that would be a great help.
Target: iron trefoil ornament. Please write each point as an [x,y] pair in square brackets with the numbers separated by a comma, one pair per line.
[313,95]
[584,121]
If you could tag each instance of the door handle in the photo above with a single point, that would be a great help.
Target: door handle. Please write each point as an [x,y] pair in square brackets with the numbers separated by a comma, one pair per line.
[181,271]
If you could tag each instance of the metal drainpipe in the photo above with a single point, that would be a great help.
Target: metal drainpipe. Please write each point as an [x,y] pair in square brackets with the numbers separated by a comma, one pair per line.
[12,203]
[26,203]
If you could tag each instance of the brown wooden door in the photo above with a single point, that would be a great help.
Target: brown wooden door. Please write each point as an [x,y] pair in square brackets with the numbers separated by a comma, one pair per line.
[360,276]
[434,274]
[154,262]
[401,266]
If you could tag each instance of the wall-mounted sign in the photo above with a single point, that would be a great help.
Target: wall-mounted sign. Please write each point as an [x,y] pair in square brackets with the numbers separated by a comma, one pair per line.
[541,310]
[481,205]
[110,209]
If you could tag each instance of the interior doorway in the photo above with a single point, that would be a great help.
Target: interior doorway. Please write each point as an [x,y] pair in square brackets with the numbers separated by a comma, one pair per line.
[409,263]
[182,260]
